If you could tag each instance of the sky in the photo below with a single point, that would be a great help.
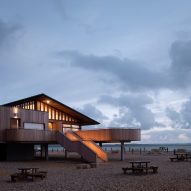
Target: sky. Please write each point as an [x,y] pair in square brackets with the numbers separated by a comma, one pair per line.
[124,63]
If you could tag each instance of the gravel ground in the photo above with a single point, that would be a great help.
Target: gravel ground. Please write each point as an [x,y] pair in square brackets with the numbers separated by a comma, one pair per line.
[64,175]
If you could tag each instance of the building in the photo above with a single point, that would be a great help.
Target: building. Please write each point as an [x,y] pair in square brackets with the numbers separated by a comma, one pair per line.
[43,120]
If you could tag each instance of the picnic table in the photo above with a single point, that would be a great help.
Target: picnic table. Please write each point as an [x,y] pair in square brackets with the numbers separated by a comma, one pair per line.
[140,167]
[180,157]
[27,173]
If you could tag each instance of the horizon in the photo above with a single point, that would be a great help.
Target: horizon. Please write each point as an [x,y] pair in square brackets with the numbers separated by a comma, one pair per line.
[124,63]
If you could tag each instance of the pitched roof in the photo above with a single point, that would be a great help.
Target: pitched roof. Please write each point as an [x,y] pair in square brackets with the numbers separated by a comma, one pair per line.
[84,120]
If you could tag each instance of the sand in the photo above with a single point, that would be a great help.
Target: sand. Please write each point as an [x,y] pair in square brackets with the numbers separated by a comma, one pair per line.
[64,175]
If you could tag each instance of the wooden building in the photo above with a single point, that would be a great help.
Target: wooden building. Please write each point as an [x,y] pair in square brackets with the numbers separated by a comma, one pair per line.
[43,120]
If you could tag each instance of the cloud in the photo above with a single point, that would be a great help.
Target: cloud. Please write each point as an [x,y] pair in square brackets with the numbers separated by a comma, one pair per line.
[166,136]
[8,32]
[182,118]
[133,110]
[184,137]
[180,69]
[91,111]
[9,63]
[130,74]
[136,76]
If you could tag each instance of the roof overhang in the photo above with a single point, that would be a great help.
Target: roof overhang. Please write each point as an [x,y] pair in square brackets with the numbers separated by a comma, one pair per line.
[83,119]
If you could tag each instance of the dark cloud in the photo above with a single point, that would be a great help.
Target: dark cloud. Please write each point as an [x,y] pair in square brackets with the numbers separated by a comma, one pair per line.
[91,111]
[9,65]
[129,74]
[8,32]
[132,75]
[180,70]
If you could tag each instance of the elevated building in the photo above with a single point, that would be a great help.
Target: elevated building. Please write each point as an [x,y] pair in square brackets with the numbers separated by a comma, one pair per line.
[43,120]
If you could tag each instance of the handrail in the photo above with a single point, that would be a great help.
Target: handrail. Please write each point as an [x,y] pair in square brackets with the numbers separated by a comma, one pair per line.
[30,135]
[98,150]
[72,136]
[111,135]
[77,146]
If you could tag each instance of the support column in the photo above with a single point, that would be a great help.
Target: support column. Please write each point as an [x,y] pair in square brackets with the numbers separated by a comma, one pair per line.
[46,151]
[41,150]
[122,150]
[100,144]
[66,154]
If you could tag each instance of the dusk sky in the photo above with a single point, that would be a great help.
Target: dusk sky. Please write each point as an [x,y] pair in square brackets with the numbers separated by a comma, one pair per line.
[125,63]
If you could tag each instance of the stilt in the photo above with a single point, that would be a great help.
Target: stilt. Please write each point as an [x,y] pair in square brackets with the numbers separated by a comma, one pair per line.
[122,151]
[66,154]
[46,151]
[41,150]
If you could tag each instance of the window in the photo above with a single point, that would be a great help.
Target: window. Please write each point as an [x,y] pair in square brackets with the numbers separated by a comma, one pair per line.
[38,126]
[50,126]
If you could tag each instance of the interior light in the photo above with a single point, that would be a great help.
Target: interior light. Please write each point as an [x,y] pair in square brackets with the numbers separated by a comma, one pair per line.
[15,112]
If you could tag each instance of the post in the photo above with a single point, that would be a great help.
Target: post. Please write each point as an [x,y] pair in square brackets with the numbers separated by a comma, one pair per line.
[41,150]
[100,144]
[122,150]
[46,151]
[66,154]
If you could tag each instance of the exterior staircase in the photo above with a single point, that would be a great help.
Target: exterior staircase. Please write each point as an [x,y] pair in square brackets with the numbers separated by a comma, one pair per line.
[88,149]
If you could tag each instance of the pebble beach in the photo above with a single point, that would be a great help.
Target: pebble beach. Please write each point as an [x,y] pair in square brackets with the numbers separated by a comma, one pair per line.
[66,175]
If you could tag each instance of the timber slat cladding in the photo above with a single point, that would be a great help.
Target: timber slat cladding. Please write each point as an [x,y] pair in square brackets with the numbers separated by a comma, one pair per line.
[28,135]
[110,135]
[7,114]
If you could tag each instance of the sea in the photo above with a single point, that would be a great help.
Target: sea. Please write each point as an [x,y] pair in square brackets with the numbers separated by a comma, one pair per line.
[134,147]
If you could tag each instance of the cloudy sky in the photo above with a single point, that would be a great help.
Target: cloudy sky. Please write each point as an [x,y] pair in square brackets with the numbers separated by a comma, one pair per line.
[124,63]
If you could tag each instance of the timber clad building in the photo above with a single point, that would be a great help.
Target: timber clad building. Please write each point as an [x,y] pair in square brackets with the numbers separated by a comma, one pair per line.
[43,120]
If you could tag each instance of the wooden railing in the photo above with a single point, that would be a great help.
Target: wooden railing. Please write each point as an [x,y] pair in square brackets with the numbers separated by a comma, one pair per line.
[69,145]
[29,135]
[77,146]
[98,150]
[73,137]
[111,135]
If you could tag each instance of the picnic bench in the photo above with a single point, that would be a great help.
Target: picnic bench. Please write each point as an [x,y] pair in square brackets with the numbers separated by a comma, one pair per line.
[28,174]
[154,169]
[179,157]
[172,159]
[140,167]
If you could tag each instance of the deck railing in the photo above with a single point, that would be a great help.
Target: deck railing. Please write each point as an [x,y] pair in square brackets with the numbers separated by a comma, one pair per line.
[29,135]
[111,135]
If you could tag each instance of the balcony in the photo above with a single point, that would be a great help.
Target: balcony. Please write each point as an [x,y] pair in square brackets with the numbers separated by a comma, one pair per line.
[111,135]
[30,135]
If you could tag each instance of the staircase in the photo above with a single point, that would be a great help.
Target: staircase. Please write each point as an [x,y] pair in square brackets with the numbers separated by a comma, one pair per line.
[88,149]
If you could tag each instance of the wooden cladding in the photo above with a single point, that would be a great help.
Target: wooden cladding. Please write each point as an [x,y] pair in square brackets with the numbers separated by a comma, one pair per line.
[15,118]
[28,135]
[111,135]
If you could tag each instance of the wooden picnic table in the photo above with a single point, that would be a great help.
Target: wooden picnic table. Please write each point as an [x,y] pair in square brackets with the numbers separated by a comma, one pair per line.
[139,166]
[181,156]
[24,170]
[28,170]
[28,173]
